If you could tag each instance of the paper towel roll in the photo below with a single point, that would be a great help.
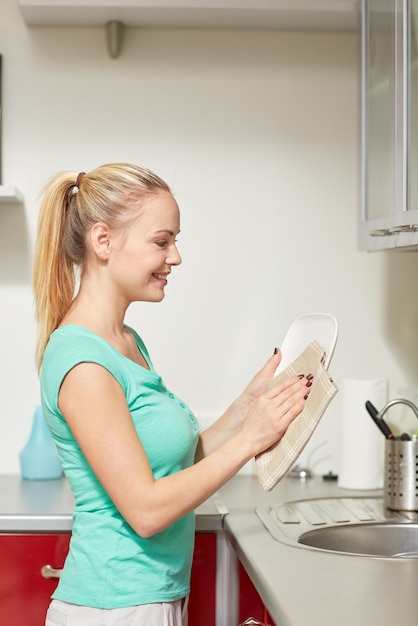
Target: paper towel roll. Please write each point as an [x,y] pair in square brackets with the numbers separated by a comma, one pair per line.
[361,442]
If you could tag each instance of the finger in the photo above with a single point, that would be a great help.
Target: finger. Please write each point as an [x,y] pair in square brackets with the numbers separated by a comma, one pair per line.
[291,414]
[289,410]
[289,384]
[273,361]
[291,401]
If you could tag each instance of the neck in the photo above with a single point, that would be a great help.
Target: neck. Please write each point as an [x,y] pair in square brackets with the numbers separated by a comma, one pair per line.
[97,309]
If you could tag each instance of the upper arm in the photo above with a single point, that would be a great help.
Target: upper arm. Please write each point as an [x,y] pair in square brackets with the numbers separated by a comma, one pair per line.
[95,408]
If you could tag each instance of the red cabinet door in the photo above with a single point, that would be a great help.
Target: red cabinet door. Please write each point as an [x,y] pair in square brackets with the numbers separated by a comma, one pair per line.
[202,604]
[24,592]
[250,603]
[202,601]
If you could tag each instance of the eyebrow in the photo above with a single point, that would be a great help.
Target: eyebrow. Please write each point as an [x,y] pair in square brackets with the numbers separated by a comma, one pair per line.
[166,230]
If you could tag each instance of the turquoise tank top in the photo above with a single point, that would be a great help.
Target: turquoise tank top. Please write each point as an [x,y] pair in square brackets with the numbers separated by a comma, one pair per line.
[108,564]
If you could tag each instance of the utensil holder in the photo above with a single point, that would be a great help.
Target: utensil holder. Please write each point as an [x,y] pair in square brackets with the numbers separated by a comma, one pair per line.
[401,475]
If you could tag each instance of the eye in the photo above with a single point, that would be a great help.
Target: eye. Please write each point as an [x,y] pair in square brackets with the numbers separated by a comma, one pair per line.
[162,243]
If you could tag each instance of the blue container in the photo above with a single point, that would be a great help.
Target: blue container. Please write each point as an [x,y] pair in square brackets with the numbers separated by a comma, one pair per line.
[39,458]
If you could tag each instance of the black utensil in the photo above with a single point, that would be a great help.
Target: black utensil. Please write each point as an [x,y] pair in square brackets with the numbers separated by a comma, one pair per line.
[379,421]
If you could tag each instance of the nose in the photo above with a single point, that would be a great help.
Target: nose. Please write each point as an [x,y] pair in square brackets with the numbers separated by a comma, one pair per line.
[174,257]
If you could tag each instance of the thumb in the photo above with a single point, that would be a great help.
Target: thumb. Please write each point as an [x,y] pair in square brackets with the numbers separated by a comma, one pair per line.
[264,377]
[273,362]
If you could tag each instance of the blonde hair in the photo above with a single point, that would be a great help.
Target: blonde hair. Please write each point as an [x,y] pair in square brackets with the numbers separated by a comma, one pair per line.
[112,194]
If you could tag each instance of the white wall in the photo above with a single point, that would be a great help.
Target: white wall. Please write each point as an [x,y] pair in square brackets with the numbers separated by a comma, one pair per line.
[257,132]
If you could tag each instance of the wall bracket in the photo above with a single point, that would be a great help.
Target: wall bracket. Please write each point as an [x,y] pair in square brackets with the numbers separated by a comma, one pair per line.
[114,37]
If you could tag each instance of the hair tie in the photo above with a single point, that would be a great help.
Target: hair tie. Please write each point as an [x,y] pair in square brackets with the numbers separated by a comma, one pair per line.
[77,183]
[79,179]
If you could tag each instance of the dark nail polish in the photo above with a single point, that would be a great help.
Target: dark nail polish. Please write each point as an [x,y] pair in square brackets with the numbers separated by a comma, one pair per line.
[305,397]
[300,376]
[309,383]
[276,350]
[309,376]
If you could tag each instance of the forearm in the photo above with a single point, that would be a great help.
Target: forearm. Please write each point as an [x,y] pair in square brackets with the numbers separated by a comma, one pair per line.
[223,428]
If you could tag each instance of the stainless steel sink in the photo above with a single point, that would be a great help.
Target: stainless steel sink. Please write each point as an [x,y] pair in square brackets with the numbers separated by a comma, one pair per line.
[381,539]
[352,526]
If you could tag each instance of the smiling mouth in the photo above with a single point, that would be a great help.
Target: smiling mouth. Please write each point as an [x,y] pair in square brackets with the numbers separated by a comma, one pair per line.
[161,276]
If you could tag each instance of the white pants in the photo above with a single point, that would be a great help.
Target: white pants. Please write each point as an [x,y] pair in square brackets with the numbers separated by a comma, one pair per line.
[164,614]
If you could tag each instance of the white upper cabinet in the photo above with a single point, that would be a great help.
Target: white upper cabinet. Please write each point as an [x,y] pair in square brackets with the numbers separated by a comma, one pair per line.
[389,190]
[263,14]
[9,195]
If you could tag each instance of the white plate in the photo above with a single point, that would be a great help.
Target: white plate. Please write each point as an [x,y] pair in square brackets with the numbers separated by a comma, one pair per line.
[321,327]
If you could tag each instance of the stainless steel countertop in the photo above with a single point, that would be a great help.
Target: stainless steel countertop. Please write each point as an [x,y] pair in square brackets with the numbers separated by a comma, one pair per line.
[44,506]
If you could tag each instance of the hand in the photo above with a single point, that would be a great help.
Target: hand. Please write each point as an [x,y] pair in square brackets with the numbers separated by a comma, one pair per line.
[261,381]
[274,410]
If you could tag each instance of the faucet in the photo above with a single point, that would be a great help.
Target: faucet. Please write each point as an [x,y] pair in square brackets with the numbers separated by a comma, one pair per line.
[398,401]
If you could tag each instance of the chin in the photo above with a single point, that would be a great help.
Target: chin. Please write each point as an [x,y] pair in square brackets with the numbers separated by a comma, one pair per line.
[157,297]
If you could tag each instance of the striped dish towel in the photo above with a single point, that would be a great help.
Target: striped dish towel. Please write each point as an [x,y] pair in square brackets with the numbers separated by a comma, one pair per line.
[275,462]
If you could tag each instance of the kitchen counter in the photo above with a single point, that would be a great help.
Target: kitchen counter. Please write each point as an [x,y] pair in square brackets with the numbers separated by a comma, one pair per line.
[300,587]
[303,587]
[47,505]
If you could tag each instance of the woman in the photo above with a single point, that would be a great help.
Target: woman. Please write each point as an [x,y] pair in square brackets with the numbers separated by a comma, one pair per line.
[130,449]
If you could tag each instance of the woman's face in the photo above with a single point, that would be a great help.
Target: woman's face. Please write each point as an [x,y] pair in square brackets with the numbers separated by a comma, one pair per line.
[142,257]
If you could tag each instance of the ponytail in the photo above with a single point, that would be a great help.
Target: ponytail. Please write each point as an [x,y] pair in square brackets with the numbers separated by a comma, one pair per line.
[53,272]
[71,205]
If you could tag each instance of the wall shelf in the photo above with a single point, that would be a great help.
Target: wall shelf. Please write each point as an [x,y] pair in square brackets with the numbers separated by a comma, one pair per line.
[9,194]
[337,15]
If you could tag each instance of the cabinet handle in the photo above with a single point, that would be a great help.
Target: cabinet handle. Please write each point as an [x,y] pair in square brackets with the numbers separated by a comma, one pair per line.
[385,232]
[47,571]
[408,228]
[380,232]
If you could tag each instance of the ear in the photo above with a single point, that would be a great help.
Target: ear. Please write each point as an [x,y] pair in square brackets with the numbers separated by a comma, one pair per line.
[101,240]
